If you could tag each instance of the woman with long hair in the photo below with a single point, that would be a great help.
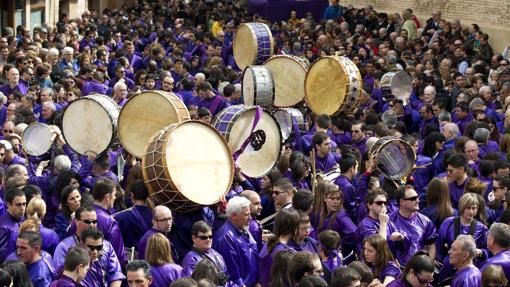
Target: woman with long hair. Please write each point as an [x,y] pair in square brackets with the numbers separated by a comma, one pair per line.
[286,226]
[433,148]
[419,271]
[36,210]
[279,274]
[439,206]
[266,192]
[378,257]
[70,201]
[159,256]
[494,276]
[332,215]
[465,223]
[18,272]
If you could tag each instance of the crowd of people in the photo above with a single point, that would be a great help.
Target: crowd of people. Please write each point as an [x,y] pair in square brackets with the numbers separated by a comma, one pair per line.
[73,220]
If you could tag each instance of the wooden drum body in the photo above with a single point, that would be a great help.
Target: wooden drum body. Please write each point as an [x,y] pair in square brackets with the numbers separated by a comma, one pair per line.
[258,86]
[89,124]
[332,84]
[289,74]
[256,147]
[187,165]
[145,114]
[395,158]
[253,44]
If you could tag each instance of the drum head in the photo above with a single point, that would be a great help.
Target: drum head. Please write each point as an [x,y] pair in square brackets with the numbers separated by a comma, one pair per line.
[284,120]
[199,162]
[289,77]
[36,139]
[402,85]
[88,127]
[326,85]
[245,46]
[256,161]
[145,114]
[395,158]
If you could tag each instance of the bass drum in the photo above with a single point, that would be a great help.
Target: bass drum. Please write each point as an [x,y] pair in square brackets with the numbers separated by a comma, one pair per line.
[146,113]
[289,74]
[258,86]
[89,124]
[395,158]
[288,119]
[187,165]
[333,84]
[253,44]
[254,137]
[397,85]
[37,139]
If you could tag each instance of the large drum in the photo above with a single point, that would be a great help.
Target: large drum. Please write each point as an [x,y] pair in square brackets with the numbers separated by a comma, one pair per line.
[394,157]
[89,124]
[187,165]
[290,121]
[37,139]
[145,114]
[332,84]
[397,85]
[258,86]
[253,44]
[289,74]
[254,137]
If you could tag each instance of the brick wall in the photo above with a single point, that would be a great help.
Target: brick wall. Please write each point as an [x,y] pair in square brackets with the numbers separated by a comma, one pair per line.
[491,15]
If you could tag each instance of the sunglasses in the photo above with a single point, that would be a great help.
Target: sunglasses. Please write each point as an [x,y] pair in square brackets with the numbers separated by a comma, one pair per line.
[423,281]
[205,237]
[380,202]
[95,247]
[8,131]
[90,221]
[412,198]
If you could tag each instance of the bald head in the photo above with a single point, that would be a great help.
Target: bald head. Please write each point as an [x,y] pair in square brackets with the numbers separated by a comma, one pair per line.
[255,204]
[160,211]
[162,218]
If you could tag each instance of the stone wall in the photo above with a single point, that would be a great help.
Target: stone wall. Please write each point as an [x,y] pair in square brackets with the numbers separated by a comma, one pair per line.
[491,15]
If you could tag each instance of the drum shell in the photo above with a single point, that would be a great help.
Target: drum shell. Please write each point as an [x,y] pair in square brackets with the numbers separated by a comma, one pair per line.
[289,73]
[253,44]
[145,114]
[87,123]
[283,117]
[258,86]
[235,122]
[332,84]
[42,138]
[159,179]
[404,164]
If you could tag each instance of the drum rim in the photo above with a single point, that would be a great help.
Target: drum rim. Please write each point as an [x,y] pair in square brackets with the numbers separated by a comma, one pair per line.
[307,96]
[128,149]
[271,78]
[301,64]
[287,111]
[246,108]
[288,57]
[114,131]
[22,137]
[390,139]
[167,172]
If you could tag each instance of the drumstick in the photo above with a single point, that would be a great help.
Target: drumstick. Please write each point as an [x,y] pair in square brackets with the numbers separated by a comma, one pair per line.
[314,171]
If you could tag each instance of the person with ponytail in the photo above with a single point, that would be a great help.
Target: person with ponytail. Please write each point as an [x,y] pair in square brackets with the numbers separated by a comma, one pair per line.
[36,210]
[331,258]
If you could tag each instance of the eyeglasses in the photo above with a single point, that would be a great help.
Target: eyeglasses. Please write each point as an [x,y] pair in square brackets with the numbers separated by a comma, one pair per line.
[412,198]
[423,281]
[95,247]
[165,219]
[391,105]
[89,222]
[380,202]
[8,131]
[205,237]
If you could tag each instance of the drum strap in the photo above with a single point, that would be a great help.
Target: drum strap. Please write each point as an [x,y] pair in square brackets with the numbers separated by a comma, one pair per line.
[215,104]
[256,119]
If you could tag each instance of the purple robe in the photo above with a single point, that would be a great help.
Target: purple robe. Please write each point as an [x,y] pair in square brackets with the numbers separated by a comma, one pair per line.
[341,224]
[255,229]
[210,104]
[418,232]
[142,245]
[193,257]
[351,198]
[309,244]
[7,90]
[456,191]
[369,226]
[502,259]
[163,276]
[266,261]
[447,236]
[240,252]
[49,238]
[61,251]
[423,173]
[391,269]
[105,269]
[462,124]
[327,163]
[134,223]
[41,272]
[65,281]
[361,145]
[93,87]
[467,277]
[401,283]
[110,228]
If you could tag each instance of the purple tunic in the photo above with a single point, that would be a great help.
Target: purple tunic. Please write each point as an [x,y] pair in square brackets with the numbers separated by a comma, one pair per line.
[110,228]
[327,163]
[361,145]
[240,252]
[193,257]
[255,229]
[163,276]
[351,198]
[41,272]
[65,281]
[467,277]
[447,236]
[391,269]
[105,270]
[502,259]
[418,232]
[266,261]
[49,238]
[456,191]
[134,223]
[309,244]
[369,226]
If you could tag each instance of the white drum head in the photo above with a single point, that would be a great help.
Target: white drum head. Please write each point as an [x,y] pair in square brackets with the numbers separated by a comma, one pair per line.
[36,139]
[200,162]
[145,114]
[256,163]
[88,127]
[289,78]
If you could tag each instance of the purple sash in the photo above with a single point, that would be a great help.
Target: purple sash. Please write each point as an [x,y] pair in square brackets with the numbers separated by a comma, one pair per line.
[215,104]
[256,119]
